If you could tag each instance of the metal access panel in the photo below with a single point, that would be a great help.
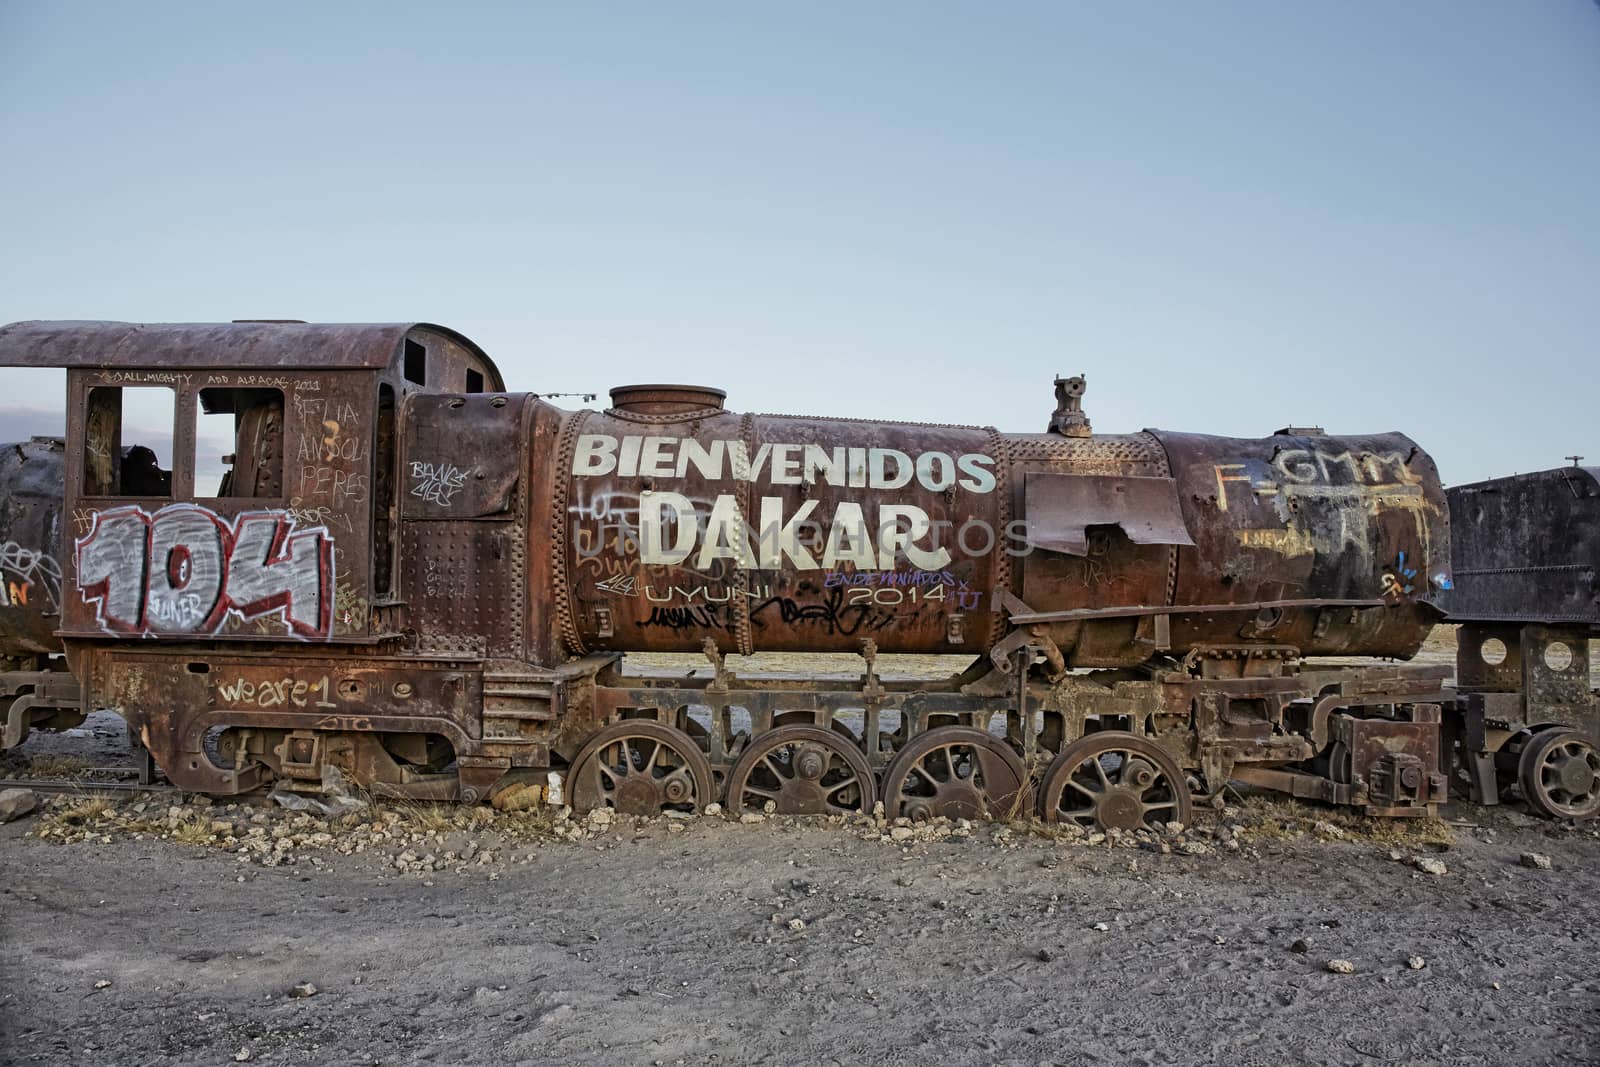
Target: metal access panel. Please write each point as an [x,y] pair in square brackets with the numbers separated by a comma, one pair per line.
[1061,508]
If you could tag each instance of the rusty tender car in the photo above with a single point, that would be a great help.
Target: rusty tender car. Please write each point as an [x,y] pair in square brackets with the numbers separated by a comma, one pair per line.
[385,563]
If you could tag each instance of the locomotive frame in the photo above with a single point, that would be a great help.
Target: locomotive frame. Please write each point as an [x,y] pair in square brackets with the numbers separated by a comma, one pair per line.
[386,583]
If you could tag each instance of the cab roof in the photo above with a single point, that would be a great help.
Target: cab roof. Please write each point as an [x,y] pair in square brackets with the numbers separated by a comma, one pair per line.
[217,345]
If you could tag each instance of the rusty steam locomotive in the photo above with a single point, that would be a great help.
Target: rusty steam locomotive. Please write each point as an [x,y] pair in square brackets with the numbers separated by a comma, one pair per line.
[396,568]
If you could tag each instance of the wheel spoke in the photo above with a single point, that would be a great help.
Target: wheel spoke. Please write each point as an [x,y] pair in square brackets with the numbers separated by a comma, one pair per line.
[1083,788]
[1100,770]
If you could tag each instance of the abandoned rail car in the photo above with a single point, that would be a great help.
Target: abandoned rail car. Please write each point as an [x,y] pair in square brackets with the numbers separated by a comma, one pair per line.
[1527,597]
[385,563]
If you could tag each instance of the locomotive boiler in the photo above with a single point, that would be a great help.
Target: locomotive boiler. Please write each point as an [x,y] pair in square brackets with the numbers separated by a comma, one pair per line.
[396,568]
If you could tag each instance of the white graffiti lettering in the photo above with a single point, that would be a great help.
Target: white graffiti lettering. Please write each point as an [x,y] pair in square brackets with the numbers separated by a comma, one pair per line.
[184,569]
[25,569]
[599,454]
[436,483]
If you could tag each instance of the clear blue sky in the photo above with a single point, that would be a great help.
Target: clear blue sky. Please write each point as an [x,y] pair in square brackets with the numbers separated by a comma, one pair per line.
[1232,217]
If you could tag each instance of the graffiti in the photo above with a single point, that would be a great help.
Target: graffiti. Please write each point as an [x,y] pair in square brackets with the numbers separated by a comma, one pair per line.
[1287,542]
[252,381]
[331,482]
[708,592]
[158,377]
[1358,477]
[186,569]
[725,535]
[350,608]
[621,585]
[285,692]
[633,455]
[1397,579]
[318,408]
[27,568]
[919,578]
[321,515]
[436,483]
[831,614]
[698,617]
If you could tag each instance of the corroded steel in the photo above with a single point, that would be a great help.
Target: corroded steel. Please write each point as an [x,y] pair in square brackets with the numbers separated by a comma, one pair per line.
[813,534]
[33,480]
[1526,549]
[221,345]
[410,576]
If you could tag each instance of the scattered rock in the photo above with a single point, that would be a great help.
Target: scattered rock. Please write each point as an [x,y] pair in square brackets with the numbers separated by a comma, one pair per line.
[1045,955]
[797,925]
[1102,927]
[1301,945]
[304,989]
[242,1055]
[752,816]
[1341,967]
[102,984]
[15,803]
[902,833]
[1416,963]
[1430,865]
[713,808]
[1537,861]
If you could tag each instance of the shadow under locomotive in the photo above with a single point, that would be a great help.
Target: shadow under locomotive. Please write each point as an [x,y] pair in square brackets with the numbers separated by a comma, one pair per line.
[384,563]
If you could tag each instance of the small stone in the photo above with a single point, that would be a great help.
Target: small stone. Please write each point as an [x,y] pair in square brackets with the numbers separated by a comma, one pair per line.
[304,989]
[1341,967]
[1494,985]
[1045,955]
[1416,963]
[769,807]
[1430,865]
[1300,945]
[902,833]
[242,1055]
[797,925]
[1537,861]
[751,817]
[713,808]
[102,984]
[1102,927]
[15,803]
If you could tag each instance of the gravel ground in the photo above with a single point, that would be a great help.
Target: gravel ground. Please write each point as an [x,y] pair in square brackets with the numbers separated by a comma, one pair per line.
[179,935]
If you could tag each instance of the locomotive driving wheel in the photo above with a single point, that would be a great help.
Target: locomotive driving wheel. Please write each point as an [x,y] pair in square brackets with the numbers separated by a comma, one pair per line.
[1559,773]
[955,772]
[640,767]
[1115,781]
[802,770]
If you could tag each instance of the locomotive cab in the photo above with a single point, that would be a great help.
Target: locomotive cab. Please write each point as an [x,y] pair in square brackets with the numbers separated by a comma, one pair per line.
[232,499]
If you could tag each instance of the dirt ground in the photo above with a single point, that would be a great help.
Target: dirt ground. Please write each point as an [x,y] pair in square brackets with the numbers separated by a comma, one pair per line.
[675,941]
[151,932]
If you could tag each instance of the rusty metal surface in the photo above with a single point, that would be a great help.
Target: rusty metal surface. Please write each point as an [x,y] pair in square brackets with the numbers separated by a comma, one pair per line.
[780,547]
[189,345]
[428,586]
[1061,507]
[1526,549]
[1311,518]
[32,483]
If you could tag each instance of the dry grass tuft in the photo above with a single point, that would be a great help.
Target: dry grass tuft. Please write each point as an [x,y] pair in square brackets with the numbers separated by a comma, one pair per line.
[49,765]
